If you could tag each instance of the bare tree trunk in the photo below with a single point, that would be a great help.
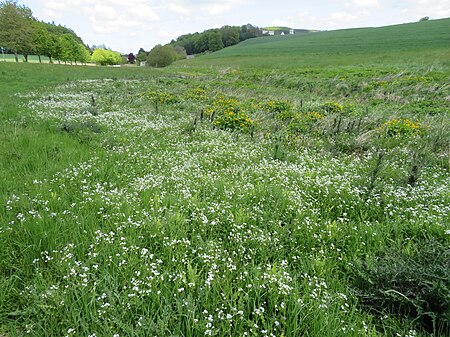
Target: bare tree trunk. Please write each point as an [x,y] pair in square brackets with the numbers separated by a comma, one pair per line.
[25,56]
[50,59]
[39,56]
[17,57]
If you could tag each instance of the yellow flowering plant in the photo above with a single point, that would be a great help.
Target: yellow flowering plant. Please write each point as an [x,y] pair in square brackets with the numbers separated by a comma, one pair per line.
[402,127]
[281,108]
[197,94]
[335,108]
[161,97]
[228,114]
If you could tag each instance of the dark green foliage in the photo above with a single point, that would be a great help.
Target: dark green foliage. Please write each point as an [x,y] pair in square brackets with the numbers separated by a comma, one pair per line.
[161,56]
[230,35]
[216,39]
[141,55]
[22,34]
[411,283]
[16,28]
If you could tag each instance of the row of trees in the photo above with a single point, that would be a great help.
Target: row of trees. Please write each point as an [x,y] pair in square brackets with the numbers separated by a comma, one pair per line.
[21,33]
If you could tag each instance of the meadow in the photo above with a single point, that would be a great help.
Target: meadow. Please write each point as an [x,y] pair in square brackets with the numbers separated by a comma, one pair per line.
[230,195]
[31,58]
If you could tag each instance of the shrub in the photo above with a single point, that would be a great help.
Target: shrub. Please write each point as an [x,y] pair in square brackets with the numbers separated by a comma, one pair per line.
[106,57]
[161,56]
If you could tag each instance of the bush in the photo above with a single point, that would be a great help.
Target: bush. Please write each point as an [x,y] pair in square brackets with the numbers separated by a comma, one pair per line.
[161,56]
[106,57]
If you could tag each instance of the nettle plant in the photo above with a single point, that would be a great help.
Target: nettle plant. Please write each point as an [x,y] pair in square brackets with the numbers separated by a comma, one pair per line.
[228,114]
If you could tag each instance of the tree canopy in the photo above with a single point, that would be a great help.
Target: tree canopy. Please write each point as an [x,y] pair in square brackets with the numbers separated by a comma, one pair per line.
[21,33]
[161,56]
[106,57]
[16,28]
[216,39]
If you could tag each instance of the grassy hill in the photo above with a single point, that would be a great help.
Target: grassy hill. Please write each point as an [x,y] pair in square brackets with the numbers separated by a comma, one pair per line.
[422,42]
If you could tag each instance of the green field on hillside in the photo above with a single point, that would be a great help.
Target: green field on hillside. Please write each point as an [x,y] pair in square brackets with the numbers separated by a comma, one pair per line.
[423,43]
[288,186]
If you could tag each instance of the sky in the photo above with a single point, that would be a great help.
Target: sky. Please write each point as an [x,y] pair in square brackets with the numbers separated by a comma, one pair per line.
[126,26]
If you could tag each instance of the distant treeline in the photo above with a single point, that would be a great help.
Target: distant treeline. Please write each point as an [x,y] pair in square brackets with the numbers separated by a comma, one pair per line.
[23,34]
[216,39]
[210,40]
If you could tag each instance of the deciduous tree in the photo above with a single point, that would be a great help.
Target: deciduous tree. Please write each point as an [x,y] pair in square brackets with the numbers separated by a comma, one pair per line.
[16,28]
[161,56]
[45,43]
[230,35]
[106,57]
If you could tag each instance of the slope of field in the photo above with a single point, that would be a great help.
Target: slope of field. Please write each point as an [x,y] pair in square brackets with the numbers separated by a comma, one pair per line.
[419,42]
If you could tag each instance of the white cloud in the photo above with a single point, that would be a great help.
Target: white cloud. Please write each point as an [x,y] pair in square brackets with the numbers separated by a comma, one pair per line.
[216,8]
[182,9]
[164,34]
[286,22]
[342,16]
[59,5]
[52,14]
[365,3]
[102,11]
[104,27]
[143,11]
